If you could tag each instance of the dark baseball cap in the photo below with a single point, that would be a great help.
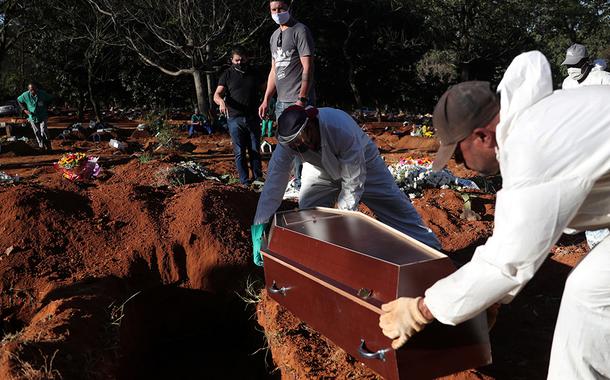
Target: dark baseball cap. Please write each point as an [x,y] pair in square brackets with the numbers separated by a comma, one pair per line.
[292,122]
[462,108]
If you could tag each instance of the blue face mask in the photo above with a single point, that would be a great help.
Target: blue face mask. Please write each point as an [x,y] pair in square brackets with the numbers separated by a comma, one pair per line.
[281,18]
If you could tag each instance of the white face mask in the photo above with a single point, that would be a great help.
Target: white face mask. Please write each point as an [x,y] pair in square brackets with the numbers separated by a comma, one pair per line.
[575,73]
[281,18]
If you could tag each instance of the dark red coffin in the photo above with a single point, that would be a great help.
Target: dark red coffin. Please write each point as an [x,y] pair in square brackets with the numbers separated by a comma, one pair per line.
[334,269]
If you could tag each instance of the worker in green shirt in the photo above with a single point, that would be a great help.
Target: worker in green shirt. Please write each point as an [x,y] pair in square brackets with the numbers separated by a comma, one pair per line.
[34,103]
[199,122]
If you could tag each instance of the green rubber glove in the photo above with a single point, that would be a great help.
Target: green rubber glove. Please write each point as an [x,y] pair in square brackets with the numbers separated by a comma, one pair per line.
[257,240]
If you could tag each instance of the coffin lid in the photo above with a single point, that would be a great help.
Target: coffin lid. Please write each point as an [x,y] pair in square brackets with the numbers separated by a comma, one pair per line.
[356,232]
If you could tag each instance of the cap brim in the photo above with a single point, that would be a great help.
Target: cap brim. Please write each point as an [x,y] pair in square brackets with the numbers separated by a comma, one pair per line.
[571,61]
[443,155]
[284,140]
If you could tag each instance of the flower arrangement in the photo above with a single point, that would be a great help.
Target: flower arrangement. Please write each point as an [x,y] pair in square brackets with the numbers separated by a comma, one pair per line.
[413,175]
[422,130]
[77,166]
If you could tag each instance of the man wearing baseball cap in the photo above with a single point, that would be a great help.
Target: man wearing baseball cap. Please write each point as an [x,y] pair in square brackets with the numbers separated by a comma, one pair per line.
[581,71]
[344,168]
[469,106]
[553,151]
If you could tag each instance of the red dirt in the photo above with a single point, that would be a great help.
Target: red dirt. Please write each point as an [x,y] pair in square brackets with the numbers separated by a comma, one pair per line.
[79,252]
[128,277]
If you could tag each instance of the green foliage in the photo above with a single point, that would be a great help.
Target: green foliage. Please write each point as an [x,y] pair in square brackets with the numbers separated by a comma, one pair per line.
[145,158]
[380,53]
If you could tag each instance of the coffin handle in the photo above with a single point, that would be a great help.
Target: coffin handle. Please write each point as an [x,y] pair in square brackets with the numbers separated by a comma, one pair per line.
[273,289]
[365,353]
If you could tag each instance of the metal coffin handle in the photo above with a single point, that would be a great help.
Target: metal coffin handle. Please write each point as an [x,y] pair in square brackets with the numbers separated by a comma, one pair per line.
[273,289]
[365,353]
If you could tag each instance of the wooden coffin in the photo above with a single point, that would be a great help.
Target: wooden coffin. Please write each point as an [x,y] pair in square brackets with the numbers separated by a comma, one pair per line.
[334,269]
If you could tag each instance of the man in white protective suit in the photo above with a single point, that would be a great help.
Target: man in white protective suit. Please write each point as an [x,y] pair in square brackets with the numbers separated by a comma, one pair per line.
[553,151]
[344,168]
[581,71]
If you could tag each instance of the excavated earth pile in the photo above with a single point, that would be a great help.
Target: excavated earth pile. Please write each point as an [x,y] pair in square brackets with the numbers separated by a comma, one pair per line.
[127,277]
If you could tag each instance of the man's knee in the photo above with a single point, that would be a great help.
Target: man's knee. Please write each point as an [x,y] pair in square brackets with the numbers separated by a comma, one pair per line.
[312,195]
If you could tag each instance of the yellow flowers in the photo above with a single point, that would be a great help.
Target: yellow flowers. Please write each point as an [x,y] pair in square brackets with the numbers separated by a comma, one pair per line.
[427,131]
[424,131]
[77,166]
[71,160]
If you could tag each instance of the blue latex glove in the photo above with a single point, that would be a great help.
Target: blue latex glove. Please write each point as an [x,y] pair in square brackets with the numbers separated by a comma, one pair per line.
[257,240]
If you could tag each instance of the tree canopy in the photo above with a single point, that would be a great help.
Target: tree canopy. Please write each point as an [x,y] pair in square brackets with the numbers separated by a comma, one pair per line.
[395,54]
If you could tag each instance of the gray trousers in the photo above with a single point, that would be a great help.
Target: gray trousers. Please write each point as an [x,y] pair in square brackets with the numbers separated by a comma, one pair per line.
[41,132]
[381,195]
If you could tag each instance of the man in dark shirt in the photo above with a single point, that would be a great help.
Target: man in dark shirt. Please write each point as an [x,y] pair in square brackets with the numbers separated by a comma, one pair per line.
[237,98]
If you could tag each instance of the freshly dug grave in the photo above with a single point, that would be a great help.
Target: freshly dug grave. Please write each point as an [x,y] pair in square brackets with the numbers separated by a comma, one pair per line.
[126,277]
[395,137]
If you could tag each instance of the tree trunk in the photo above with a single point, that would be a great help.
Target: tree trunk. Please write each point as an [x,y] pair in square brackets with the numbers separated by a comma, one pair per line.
[351,78]
[2,51]
[202,103]
[465,72]
[80,106]
[208,74]
[96,111]
[210,89]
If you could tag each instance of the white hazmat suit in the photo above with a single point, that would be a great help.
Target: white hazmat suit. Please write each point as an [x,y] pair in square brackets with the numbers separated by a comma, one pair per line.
[346,170]
[595,77]
[554,155]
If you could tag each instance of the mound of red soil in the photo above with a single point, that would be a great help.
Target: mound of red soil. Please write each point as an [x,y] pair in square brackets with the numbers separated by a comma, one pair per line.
[17,148]
[441,210]
[394,137]
[79,252]
[302,353]
[393,143]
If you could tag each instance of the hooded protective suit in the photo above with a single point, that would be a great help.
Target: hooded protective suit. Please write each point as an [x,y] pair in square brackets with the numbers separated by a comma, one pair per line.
[595,77]
[346,170]
[554,155]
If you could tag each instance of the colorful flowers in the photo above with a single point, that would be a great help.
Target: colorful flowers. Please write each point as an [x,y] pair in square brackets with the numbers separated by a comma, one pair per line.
[77,166]
[416,161]
[422,130]
[71,160]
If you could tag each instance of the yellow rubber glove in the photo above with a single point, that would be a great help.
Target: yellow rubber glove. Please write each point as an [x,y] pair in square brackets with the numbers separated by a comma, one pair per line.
[401,320]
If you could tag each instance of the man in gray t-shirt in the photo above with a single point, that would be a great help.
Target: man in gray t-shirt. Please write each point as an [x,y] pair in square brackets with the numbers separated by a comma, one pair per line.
[288,47]
[291,74]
